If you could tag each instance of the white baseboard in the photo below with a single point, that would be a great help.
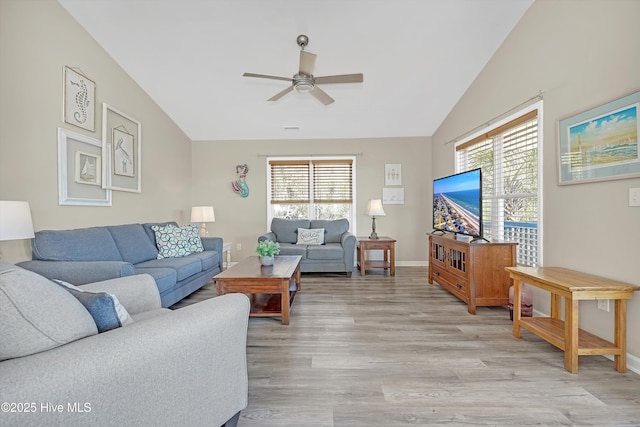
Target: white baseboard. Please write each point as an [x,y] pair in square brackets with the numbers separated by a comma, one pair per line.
[412,264]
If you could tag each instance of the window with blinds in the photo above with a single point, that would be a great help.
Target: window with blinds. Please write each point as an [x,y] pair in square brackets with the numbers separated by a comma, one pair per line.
[311,188]
[508,155]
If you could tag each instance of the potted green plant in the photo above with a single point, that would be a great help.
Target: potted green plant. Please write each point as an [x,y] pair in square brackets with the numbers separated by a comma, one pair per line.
[267,250]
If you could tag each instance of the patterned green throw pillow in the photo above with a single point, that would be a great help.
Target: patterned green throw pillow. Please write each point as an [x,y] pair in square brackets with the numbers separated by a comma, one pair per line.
[174,241]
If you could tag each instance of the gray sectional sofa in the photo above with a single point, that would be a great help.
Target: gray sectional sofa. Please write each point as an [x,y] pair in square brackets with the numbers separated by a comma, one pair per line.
[184,367]
[335,254]
[92,254]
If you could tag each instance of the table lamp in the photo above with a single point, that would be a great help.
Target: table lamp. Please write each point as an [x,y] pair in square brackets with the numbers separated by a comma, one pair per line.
[203,214]
[374,209]
[15,221]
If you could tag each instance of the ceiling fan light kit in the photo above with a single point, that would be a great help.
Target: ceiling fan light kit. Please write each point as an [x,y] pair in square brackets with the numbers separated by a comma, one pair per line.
[304,81]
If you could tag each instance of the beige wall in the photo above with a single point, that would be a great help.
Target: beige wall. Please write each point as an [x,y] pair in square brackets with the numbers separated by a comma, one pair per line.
[37,38]
[581,54]
[241,220]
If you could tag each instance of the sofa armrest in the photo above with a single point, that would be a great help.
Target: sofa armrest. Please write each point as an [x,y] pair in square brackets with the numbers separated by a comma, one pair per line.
[186,367]
[348,241]
[214,244]
[267,236]
[137,293]
[79,272]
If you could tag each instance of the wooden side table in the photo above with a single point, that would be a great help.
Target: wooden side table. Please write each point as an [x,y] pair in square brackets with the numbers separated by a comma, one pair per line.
[386,244]
[573,286]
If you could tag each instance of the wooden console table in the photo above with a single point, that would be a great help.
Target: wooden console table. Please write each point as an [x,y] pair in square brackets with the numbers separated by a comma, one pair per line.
[573,286]
[386,244]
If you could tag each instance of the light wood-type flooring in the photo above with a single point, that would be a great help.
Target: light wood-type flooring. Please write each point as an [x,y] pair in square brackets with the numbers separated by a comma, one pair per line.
[396,351]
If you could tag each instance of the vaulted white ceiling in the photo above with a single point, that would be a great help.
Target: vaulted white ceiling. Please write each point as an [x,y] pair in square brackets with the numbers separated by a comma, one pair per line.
[418,58]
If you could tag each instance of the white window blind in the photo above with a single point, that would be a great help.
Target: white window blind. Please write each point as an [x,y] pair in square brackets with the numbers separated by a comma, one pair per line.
[311,188]
[508,156]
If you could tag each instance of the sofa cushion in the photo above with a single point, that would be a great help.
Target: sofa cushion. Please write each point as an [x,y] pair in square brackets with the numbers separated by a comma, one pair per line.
[208,259]
[285,229]
[310,236]
[173,241]
[293,249]
[334,229]
[133,243]
[106,310]
[85,244]
[184,266]
[37,315]
[165,278]
[330,251]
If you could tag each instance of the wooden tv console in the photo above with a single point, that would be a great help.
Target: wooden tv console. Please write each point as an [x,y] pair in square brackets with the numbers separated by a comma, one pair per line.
[474,272]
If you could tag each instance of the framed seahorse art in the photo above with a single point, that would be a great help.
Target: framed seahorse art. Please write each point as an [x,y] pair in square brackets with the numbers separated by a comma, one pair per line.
[79,99]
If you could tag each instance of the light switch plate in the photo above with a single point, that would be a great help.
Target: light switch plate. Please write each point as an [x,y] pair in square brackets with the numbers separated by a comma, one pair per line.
[634,197]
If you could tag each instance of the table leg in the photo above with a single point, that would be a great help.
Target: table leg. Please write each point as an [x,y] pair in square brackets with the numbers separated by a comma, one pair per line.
[620,335]
[284,302]
[555,306]
[361,253]
[571,314]
[517,301]
[393,259]
[219,288]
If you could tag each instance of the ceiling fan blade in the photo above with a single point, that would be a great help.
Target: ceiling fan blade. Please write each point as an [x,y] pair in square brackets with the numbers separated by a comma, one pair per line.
[307,62]
[321,96]
[280,94]
[264,76]
[343,78]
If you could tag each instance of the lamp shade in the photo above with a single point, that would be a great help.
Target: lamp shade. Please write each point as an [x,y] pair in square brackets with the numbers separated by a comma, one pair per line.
[374,208]
[15,220]
[202,214]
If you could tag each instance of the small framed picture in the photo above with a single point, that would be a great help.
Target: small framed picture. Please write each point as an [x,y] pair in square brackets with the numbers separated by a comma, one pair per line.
[79,100]
[392,174]
[123,153]
[79,164]
[88,168]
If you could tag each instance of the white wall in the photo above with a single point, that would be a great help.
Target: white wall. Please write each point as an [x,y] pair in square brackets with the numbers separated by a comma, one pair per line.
[581,54]
[242,220]
[38,38]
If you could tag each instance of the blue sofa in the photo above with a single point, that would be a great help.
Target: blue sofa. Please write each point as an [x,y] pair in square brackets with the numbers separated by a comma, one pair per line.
[335,255]
[94,254]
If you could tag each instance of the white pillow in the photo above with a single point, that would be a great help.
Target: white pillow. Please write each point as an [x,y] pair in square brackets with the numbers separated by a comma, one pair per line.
[310,236]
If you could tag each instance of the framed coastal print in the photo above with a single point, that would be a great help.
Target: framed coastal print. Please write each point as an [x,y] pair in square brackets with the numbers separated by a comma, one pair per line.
[79,174]
[601,143]
[88,167]
[121,155]
[392,174]
[79,100]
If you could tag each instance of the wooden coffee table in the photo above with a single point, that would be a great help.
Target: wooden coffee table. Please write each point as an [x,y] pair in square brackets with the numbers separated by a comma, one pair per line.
[270,289]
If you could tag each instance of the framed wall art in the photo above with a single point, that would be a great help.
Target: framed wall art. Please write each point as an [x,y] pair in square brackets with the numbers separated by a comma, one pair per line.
[121,155]
[79,176]
[601,143]
[79,99]
[393,196]
[392,174]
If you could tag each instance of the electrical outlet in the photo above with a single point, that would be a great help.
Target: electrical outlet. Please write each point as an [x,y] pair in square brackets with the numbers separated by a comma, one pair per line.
[634,197]
[238,247]
[603,304]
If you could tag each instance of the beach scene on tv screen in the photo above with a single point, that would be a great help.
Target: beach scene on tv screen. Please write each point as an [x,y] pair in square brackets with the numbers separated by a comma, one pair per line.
[456,204]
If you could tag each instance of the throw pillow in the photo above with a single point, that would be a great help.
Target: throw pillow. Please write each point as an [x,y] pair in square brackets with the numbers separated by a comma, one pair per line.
[177,241]
[310,236]
[37,315]
[105,308]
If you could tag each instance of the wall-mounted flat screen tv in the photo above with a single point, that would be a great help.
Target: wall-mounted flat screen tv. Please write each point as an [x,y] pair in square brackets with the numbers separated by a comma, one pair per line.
[457,203]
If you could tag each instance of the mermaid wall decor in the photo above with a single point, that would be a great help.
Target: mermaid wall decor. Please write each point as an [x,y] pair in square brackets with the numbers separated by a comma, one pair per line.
[240,185]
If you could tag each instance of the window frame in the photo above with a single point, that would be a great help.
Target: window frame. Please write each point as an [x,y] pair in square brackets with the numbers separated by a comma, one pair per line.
[497,128]
[311,159]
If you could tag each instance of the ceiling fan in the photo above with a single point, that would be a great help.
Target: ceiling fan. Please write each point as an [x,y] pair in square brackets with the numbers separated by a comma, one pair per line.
[304,81]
